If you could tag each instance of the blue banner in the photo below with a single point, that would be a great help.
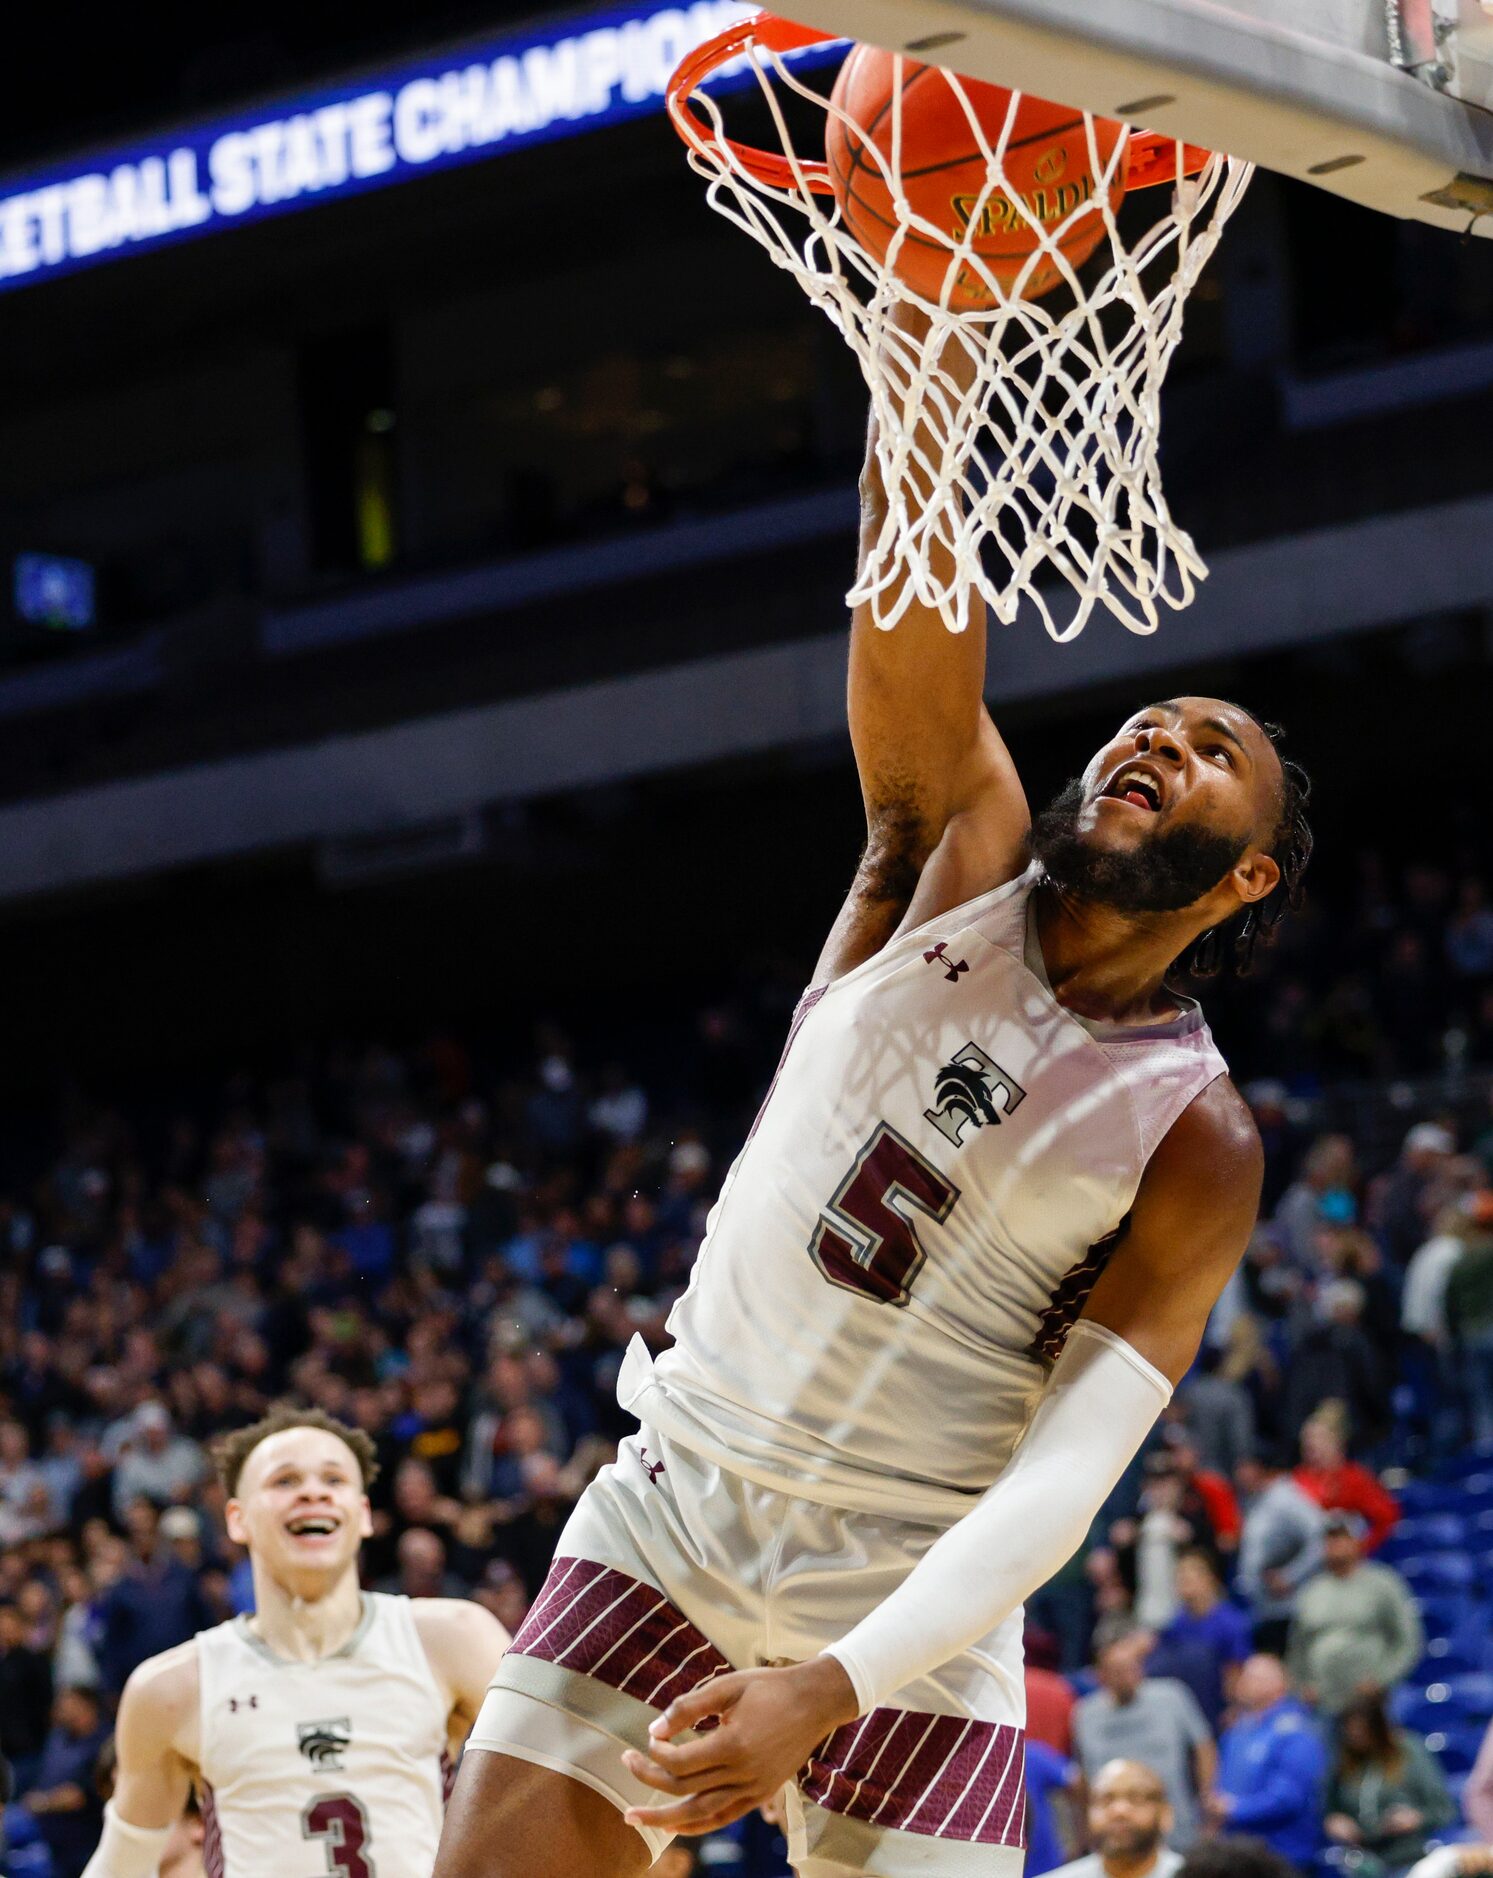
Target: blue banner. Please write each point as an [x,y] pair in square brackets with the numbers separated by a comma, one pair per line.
[429,114]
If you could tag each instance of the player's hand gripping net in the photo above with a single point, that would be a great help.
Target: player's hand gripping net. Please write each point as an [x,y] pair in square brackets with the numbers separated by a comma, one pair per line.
[1018,435]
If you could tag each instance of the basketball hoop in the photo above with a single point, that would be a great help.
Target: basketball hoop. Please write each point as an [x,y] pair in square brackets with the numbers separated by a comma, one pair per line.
[1027,426]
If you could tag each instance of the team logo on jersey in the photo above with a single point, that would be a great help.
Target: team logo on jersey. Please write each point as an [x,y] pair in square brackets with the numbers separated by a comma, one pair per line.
[972,1091]
[939,955]
[325,1742]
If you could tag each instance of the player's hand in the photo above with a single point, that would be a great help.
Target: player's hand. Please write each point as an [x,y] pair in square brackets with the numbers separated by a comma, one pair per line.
[771,1721]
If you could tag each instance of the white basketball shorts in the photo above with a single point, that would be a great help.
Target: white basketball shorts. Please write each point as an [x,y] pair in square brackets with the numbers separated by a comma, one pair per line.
[671,1571]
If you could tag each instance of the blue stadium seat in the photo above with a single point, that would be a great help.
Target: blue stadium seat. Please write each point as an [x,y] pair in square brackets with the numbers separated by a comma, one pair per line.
[1475,1458]
[1444,1614]
[1472,1693]
[1455,1748]
[1431,1532]
[1451,1656]
[1440,1496]
[1440,1571]
[1461,1700]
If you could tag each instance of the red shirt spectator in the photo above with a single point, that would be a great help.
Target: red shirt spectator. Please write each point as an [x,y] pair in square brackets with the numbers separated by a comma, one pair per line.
[1200,1484]
[1049,1709]
[1327,1476]
[1049,1696]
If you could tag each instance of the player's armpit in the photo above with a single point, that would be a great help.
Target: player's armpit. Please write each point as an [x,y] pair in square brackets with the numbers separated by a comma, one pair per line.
[1193,1215]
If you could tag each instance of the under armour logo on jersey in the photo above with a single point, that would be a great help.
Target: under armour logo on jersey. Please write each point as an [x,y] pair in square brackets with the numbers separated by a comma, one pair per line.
[972,1090]
[951,967]
[652,1468]
[236,1702]
[325,1742]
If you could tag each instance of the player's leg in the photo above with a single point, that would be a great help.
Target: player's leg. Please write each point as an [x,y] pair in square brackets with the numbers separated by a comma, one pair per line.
[644,1598]
[930,1784]
[511,1819]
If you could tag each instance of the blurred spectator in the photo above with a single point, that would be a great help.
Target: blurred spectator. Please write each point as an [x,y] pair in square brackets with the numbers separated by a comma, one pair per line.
[1402,1203]
[1423,1300]
[1235,1856]
[1150,1545]
[1129,1819]
[1050,1697]
[25,1693]
[1050,1779]
[63,1798]
[1386,1795]
[1356,1626]
[1207,1639]
[1469,1317]
[155,1604]
[1272,1766]
[422,1568]
[1154,1720]
[1323,1189]
[157,1465]
[1280,1546]
[1218,1413]
[1209,1503]
[1340,1485]
[1335,1360]
[1469,932]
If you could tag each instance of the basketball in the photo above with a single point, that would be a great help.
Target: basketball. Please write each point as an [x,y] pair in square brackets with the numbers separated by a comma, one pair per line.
[1046,161]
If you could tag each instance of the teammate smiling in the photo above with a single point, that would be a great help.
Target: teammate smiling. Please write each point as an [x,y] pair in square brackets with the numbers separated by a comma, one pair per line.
[323,1726]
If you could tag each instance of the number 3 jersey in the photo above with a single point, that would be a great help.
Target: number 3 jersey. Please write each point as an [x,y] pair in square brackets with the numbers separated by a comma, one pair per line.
[335,1767]
[944,1163]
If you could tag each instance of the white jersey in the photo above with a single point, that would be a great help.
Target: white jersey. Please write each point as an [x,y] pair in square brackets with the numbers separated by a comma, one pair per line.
[942,1166]
[331,1767]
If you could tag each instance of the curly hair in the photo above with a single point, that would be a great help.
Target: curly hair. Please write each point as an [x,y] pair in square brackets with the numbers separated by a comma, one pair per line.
[1230,946]
[231,1451]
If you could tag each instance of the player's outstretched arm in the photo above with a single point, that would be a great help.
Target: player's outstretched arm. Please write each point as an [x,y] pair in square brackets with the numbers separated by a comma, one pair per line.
[1190,1223]
[152,1777]
[464,1643]
[937,781]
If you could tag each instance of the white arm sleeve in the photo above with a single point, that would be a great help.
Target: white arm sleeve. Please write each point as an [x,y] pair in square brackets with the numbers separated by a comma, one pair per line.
[127,1851]
[1097,1408]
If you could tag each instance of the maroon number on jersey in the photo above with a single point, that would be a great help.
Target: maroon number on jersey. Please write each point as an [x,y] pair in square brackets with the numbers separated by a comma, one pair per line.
[864,1241]
[340,1821]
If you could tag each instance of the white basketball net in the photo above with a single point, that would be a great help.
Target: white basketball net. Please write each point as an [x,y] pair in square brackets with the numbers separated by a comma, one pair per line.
[1046,464]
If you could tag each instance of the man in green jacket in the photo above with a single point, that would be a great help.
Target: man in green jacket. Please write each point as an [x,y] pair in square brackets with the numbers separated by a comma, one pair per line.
[1356,1627]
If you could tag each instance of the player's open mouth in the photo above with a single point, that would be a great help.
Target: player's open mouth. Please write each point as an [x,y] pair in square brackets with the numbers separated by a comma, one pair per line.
[1139,787]
[312,1526]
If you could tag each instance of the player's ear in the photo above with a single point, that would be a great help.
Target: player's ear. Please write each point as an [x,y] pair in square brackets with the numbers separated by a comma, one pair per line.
[1256,875]
[365,1518]
[233,1521]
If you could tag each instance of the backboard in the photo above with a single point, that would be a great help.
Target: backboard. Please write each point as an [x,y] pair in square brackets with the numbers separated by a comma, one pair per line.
[1386,102]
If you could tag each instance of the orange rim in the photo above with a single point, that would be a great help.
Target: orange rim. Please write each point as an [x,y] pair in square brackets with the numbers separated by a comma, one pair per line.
[1152,156]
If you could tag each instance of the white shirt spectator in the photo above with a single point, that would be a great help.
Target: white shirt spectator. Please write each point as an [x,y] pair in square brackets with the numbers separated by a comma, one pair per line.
[158,1465]
[1423,1304]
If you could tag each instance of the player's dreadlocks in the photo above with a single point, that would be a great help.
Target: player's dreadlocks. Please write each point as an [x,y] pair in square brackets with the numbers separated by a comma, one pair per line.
[1230,947]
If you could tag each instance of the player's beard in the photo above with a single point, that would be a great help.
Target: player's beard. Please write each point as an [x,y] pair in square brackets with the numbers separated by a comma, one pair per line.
[1170,871]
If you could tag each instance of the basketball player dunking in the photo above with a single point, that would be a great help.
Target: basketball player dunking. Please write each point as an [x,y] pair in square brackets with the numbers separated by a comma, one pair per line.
[966,1252]
[318,1732]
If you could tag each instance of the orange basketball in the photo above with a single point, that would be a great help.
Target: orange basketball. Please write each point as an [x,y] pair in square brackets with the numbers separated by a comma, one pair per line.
[1045,162]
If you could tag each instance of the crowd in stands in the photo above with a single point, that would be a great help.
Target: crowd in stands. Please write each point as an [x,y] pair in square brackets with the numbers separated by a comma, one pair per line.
[454,1257]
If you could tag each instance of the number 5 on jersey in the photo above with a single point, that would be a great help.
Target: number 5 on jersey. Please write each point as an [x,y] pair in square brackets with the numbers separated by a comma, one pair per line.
[866,1240]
